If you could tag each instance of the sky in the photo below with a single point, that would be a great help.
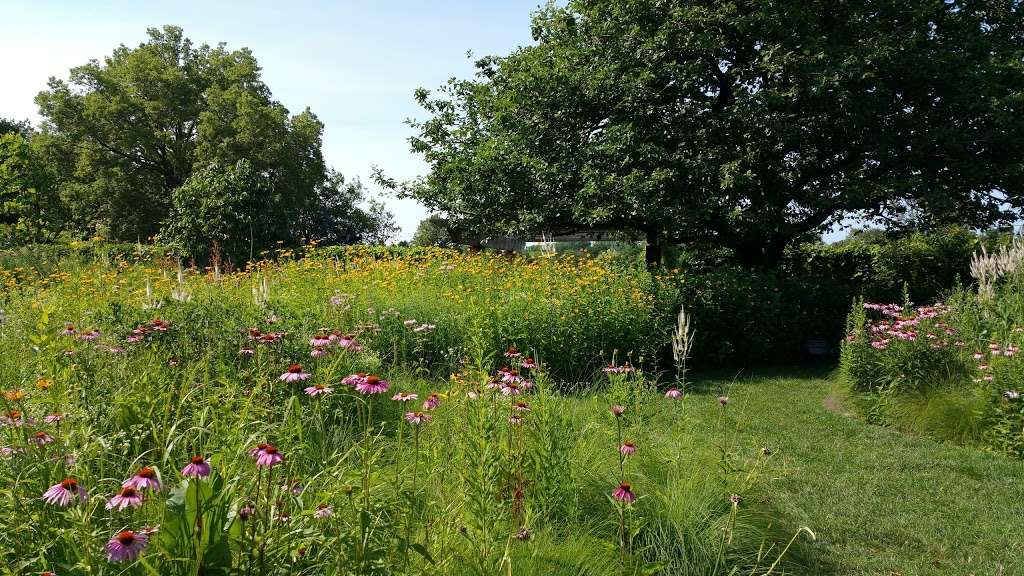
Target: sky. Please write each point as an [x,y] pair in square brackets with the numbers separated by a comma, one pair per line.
[355,64]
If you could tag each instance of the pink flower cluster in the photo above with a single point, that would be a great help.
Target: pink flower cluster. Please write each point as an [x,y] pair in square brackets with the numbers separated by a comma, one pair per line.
[902,327]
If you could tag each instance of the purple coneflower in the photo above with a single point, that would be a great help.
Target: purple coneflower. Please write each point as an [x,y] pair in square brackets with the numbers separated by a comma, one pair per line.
[515,419]
[126,546]
[674,393]
[145,478]
[511,375]
[269,457]
[62,494]
[89,335]
[40,439]
[528,363]
[246,351]
[318,389]
[409,323]
[511,389]
[13,418]
[618,411]
[198,467]
[320,340]
[324,511]
[521,406]
[432,401]
[318,351]
[624,493]
[978,355]
[69,330]
[245,512]
[404,397]
[1011,395]
[512,352]
[257,450]
[372,385]
[354,379]
[417,418]
[723,400]
[127,497]
[627,449]
[294,374]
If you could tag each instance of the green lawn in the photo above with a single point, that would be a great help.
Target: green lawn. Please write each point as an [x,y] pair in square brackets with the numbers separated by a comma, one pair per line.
[880,502]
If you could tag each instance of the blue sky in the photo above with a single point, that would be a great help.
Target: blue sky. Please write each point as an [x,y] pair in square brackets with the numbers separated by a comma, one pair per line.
[355,64]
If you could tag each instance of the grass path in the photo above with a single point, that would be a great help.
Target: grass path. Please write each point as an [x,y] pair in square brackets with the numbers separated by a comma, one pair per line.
[880,502]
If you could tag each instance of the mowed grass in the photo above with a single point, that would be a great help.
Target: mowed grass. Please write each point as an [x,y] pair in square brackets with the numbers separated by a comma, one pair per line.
[880,502]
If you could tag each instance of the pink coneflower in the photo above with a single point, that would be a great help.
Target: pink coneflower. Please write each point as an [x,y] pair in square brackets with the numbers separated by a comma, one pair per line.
[674,393]
[511,375]
[1010,351]
[198,467]
[40,439]
[472,394]
[62,494]
[512,352]
[624,493]
[126,546]
[515,419]
[53,418]
[255,452]
[69,330]
[173,361]
[432,401]
[145,478]
[723,400]
[89,335]
[159,325]
[354,379]
[978,355]
[270,337]
[127,497]
[521,406]
[7,451]
[294,486]
[269,457]
[323,511]
[13,418]
[246,351]
[982,366]
[245,512]
[294,374]
[318,389]
[511,389]
[417,417]
[494,384]
[372,385]
[350,345]
[409,323]
[318,351]
[320,340]
[627,449]
[618,411]
[528,363]
[404,397]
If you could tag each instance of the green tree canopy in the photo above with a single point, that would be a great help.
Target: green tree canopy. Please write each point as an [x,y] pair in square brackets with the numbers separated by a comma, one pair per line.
[139,135]
[746,124]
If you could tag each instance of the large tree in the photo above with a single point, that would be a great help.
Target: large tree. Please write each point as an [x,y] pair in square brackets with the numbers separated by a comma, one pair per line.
[746,124]
[168,121]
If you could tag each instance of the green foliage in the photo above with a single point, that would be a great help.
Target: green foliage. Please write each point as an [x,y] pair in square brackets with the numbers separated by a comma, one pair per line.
[433,232]
[471,491]
[29,209]
[955,375]
[155,136]
[747,126]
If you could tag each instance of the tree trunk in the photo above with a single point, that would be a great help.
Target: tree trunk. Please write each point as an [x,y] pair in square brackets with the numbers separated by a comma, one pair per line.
[756,253]
[653,251]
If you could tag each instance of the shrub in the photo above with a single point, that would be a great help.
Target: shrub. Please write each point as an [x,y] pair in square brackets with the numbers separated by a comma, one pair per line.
[953,371]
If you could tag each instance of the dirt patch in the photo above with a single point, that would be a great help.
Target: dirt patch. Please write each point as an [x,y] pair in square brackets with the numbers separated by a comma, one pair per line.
[834,403]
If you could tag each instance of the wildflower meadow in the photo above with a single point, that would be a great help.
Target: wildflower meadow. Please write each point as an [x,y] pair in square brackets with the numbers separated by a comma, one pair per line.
[361,415]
